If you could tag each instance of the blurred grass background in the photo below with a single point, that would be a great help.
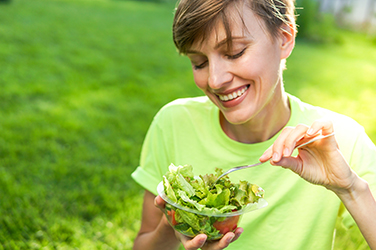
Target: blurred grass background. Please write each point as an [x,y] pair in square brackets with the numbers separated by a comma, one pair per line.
[80,82]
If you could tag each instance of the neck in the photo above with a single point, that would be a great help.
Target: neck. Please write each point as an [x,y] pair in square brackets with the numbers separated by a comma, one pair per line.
[264,125]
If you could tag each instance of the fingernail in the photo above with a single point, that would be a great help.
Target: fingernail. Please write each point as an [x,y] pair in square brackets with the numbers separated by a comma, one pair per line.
[230,239]
[286,152]
[202,240]
[309,131]
[262,158]
[275,156]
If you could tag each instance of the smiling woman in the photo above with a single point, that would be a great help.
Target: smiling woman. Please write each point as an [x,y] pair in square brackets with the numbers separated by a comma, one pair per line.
[238,51]
[250,65]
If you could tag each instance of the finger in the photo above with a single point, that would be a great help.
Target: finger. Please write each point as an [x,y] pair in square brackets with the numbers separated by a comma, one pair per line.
[325,125]
[285,143]
[294,136]
[159,203]
[238,232]
[278,145]
[272,151]
[293,163]
[267,155]
[195,243]
[226,240]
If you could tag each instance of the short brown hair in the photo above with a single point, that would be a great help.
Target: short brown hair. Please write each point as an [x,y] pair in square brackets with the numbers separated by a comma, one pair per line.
[195,19]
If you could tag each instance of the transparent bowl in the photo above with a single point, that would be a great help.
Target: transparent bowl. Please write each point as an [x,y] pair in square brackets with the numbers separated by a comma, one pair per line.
[214,225]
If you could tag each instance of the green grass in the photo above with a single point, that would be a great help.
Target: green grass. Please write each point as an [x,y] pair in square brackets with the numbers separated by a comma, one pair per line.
[80,82]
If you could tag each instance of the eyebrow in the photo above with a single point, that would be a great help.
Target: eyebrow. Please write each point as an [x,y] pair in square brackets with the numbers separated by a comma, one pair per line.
[219,44]
[225,41]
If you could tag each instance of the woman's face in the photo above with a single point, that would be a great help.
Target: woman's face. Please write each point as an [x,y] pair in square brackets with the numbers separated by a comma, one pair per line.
[243,81]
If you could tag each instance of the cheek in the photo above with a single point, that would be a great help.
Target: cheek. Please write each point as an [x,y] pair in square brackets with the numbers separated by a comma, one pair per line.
[264,68]
[250,70]
[199,78]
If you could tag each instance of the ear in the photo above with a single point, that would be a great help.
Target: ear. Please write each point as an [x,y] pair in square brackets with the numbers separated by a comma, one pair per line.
[287,41]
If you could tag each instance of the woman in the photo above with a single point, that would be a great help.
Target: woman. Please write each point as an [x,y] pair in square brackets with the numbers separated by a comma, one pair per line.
[238,50]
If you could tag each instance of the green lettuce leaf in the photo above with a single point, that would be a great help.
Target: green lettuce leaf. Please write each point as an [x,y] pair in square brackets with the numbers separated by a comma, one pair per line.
[203,194]
[168,190]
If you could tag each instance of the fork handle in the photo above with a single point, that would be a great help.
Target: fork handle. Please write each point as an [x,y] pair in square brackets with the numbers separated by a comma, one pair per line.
[304,142]
[299,144]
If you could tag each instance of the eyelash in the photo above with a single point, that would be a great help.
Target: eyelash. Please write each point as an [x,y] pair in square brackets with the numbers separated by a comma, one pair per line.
[231,57]
[201,66]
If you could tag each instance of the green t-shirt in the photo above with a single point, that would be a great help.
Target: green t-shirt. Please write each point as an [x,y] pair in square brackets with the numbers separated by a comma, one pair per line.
[300,215]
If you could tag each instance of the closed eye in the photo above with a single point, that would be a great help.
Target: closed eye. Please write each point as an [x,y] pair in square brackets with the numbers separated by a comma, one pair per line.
[200,66]
[232,57]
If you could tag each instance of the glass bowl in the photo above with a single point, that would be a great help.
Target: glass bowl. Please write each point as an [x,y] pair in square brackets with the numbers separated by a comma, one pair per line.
[191,222]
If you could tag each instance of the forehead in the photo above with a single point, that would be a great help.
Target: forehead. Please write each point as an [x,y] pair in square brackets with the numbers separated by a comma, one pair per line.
[239,24]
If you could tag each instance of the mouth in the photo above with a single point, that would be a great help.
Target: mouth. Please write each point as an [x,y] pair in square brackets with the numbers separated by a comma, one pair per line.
[233,95]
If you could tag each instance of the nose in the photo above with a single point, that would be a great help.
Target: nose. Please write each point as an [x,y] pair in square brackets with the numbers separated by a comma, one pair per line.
[219,73]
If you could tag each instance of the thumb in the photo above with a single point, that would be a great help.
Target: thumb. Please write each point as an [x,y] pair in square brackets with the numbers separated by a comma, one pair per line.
[195,243]
[159,202]
[293,163]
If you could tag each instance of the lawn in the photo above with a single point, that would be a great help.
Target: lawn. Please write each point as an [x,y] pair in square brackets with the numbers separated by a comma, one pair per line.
[80,82]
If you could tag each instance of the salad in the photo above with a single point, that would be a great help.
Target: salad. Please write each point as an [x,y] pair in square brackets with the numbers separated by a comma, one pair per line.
[197,204]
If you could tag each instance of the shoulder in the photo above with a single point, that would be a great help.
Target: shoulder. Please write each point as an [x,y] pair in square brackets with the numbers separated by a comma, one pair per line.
[186,108]
[308,113]
[188,103]
[349,134]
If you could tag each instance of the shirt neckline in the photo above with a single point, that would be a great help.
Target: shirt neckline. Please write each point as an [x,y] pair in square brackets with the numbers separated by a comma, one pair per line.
[230,143]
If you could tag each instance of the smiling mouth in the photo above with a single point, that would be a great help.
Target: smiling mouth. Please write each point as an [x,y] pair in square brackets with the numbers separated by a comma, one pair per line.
[233,95]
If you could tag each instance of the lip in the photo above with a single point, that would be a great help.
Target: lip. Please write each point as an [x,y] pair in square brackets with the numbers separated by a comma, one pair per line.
[237,100]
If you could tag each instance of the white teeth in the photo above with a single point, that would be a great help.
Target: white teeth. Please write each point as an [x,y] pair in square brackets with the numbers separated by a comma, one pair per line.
[233,95]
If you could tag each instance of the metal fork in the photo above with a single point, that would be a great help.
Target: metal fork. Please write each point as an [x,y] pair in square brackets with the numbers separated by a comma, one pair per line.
[299,144]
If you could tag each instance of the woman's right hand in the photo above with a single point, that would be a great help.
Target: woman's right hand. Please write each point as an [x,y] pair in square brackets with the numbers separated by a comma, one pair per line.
[200,241]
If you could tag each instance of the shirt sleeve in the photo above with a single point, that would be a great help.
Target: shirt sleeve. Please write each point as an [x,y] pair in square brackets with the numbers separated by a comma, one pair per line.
[154,154]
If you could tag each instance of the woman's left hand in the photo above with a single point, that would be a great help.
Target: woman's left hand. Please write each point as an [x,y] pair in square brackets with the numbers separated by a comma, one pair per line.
[320,162]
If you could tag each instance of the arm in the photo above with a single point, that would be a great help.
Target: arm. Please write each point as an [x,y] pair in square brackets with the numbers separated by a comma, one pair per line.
[323,164]
[155,232]
[361,204]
